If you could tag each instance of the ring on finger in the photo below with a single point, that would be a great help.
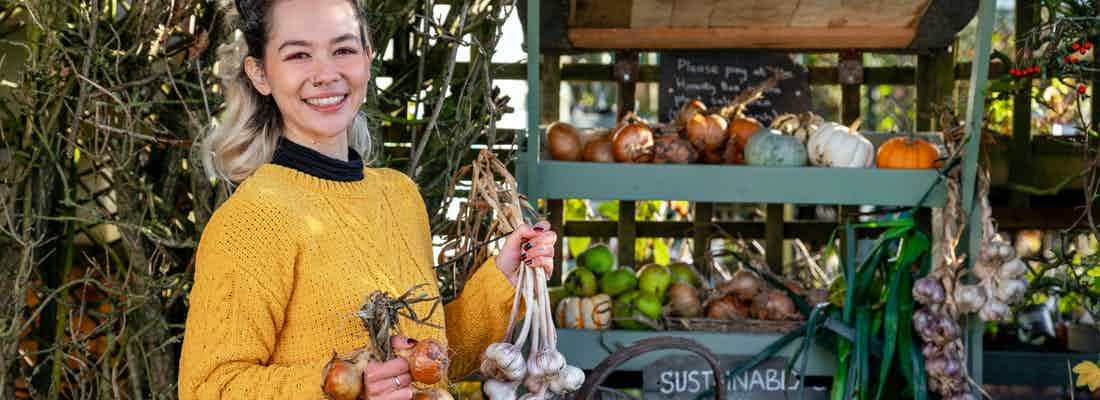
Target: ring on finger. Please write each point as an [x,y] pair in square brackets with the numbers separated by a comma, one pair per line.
[396,382]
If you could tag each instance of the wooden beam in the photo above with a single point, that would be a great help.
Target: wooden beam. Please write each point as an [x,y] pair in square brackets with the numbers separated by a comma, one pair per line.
[773,234]
[806,230]
[756,37]
[627,232]
[1019,164]
[701,234]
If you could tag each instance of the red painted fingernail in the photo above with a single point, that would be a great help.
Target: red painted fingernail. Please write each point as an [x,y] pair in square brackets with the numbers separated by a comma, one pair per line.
[528,262]
[410,341]
[539,229]
[527,246]
[523,255]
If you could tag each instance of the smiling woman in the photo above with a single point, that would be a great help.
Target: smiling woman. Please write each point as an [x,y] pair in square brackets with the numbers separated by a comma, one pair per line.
[284,264]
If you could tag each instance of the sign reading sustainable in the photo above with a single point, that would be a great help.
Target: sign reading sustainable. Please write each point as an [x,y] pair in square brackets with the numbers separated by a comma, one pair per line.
[684,377]
[718,77]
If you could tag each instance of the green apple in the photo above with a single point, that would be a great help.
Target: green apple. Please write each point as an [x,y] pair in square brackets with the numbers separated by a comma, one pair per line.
[598,259]
[623,310]
[618,281]
[655,279]
[684,273]
[581,282]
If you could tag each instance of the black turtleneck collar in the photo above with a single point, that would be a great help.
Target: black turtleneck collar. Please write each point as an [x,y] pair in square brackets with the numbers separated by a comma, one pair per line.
[304,159]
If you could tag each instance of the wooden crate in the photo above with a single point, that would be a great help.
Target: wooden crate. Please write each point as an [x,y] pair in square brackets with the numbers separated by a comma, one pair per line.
[769,24]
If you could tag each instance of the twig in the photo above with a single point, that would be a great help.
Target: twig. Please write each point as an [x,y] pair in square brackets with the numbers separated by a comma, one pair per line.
[440,99]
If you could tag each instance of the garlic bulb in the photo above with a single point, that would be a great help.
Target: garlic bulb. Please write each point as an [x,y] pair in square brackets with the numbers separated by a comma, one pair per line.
[969,298]
[1011,291]
[498,390]
[946,329]
[503,361]
[1005,251]
[568,380]
[1013,269]
[928,291]
[994,311]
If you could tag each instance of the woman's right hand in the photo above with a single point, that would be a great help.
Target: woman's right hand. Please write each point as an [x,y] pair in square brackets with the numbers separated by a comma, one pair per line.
[390,380]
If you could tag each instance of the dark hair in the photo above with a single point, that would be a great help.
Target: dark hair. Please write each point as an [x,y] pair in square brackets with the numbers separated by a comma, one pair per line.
[255,24]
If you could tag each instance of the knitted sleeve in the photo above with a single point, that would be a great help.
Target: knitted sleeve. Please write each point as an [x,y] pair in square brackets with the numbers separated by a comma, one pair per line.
[244,270]
[479,316]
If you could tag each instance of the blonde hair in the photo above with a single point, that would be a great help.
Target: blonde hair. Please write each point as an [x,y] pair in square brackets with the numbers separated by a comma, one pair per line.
[244,136]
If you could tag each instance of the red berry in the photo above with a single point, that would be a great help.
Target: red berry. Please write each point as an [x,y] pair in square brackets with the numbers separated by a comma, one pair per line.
[1066,59]
[1081,88]
[1088,45]
[1075,45]
[1036,69]
[1083,51]
[1012,71]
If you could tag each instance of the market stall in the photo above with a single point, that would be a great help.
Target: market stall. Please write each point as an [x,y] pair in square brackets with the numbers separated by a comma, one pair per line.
[922,27]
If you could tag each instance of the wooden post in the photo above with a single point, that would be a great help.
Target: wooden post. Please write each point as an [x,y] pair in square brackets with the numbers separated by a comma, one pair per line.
[628,232]
[849,112]
[550,87]
[773,235]
[701,233]
[935,83]
[1019,165]
[626,73]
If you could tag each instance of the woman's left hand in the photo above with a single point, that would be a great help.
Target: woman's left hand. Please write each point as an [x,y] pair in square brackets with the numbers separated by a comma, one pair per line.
[530,246]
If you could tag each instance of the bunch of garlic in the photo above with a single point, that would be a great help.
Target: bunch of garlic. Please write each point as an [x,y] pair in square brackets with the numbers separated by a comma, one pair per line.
[544,370]
[1001,282]
[942,337]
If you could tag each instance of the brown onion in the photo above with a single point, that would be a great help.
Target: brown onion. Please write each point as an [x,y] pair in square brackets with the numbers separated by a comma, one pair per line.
[724,308]
[683,300]
[707,132]
[671,149]
[739,130]
[744,285]
[343,377]
[564,141]
[427,359]
[780,307]
[688,111]
[632,142]
[598,150]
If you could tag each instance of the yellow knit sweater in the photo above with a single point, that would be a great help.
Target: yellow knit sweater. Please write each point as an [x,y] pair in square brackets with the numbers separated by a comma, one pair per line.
[286,262]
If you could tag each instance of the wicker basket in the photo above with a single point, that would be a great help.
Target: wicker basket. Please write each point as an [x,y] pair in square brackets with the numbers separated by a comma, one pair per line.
[731,326]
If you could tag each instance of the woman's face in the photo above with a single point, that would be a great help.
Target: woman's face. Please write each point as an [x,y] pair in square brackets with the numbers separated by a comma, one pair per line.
[315,67]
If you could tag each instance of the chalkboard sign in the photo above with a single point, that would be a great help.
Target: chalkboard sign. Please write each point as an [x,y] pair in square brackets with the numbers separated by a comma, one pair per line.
[718,77]
[684,377]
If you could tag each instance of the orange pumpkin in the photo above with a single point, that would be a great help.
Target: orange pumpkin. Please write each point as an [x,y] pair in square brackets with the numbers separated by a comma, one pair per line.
[907,153]
[740,129]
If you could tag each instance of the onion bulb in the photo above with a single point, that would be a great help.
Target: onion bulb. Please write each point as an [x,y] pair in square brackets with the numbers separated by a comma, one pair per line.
[683,300]
[969,298]
[725,308]
[744,285]
[632,142]
[708,134]
[780,307]
[598,150]
[671,149]
[564,141]
[427,359]
[343,377]
[688,111]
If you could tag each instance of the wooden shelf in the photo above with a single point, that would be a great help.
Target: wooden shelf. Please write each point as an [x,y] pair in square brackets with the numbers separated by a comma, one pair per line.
[733,183]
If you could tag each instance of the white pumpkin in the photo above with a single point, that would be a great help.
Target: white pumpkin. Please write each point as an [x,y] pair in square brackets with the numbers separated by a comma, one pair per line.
[585,312]
[835,145]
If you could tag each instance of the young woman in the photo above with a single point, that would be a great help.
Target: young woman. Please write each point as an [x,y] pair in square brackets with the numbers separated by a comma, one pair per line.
[286,261]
